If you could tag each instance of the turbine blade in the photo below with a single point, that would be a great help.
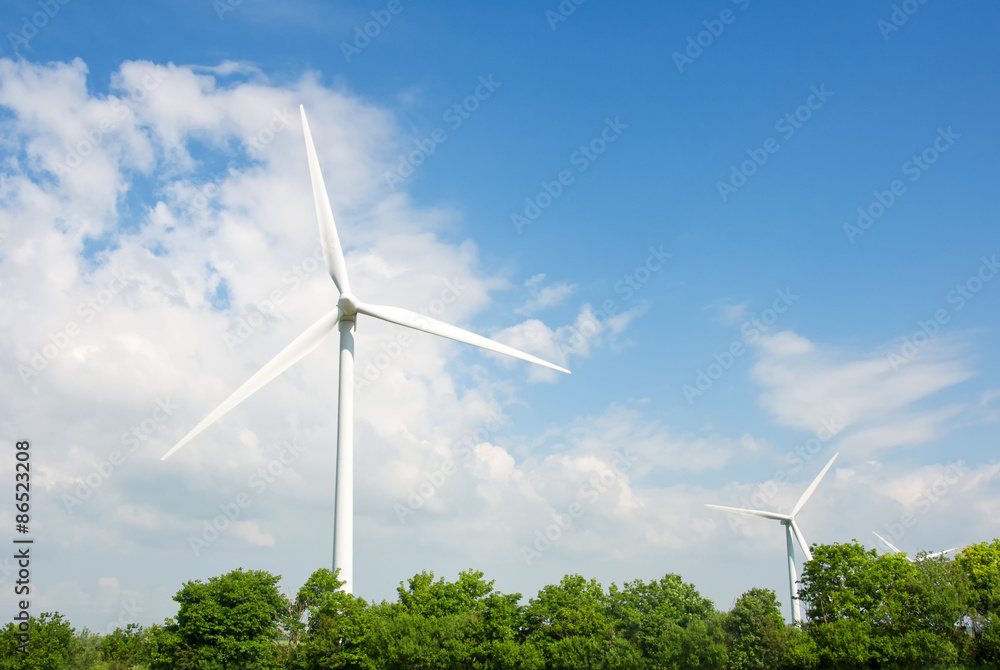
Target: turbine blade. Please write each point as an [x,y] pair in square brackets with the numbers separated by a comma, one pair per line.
[300,347]
[812,487]
[752,512]
[887,543]
[405,317]
[333,254]
[801,540]
[939,553]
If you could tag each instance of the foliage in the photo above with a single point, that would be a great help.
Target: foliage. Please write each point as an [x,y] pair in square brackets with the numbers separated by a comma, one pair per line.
[337,634]
[886,611]
[867,611]
[980,563]
[399,639]
[230,622]
[843,643]
[124,648]
[85,651]
[699,646]
[847,581]
[574,607]
[50,646]
[756,630]
[321,589]
[641,612]
[572,653]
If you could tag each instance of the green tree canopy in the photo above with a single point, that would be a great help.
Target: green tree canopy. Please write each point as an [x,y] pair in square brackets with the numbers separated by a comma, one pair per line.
[980,563]
[49,647]
[756,631]
[231,621]
[574,606]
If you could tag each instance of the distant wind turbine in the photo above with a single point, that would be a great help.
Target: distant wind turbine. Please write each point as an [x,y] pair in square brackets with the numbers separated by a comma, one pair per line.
[791,528]
[344,316]
[911,559]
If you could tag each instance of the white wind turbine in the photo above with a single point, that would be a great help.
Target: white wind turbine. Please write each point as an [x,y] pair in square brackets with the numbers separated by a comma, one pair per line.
[911,559]
[791,528]
[348,307]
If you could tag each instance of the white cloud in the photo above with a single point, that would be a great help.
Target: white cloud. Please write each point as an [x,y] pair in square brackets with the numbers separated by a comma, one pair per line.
[805,385]
[543,296]
[729,313]
[560,345]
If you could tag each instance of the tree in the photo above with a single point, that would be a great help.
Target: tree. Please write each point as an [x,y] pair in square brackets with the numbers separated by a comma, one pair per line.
[980,563]
[49,647]
[491,622]
[322,587]
[841,582]
[573,607]
[698,646]
[642,611]
[123,648]
[398,639]
[883,610]
[337,626]
[580,652]
[230,622]
[423,596]
[756,630]
[843,643]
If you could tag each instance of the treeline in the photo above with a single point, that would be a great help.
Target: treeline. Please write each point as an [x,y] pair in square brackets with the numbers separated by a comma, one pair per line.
[865,611]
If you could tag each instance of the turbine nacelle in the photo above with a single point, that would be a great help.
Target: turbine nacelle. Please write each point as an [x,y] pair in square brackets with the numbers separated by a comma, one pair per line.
[348,306]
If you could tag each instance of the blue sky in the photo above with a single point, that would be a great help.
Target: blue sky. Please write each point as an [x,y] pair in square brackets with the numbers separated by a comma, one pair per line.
[198,192]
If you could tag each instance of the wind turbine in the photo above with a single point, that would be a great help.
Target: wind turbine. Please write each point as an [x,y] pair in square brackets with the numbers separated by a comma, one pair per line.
[344,316]
[791,528]
[911,559]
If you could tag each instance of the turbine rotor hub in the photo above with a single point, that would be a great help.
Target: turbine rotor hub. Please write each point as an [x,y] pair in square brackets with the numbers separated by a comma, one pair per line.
[348,305]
